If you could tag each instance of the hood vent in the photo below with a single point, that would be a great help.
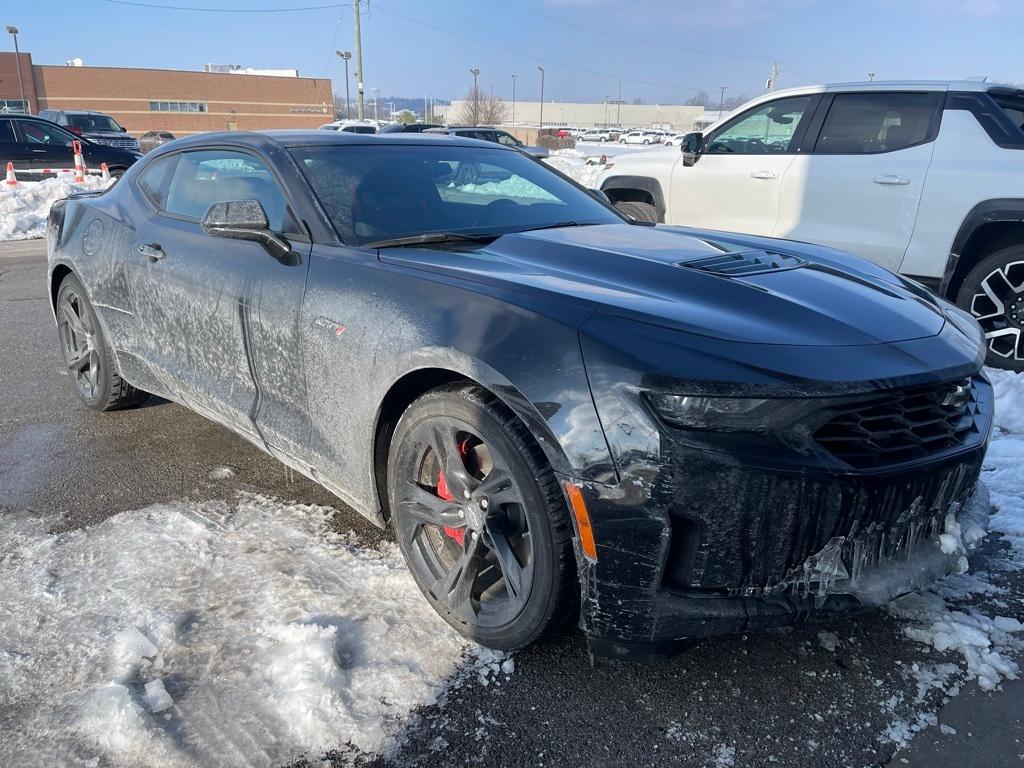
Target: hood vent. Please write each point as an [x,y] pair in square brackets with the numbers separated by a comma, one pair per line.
[743,263]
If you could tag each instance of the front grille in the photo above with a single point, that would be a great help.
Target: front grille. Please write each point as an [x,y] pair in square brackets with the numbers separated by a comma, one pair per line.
[120,143]
[903,425]
[744,263]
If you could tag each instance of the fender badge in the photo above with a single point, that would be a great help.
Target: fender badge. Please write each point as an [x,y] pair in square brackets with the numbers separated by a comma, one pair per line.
[329,325]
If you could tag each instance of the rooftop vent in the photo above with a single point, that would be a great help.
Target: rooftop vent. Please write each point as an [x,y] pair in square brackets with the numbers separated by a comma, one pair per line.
[744,263]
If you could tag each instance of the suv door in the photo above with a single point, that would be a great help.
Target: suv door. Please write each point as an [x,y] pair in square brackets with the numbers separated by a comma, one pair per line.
[218,317]
[49,145]
[734,185]
[859,188]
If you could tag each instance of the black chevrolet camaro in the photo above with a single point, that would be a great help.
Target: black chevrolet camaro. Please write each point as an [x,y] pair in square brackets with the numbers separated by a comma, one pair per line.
[669,433]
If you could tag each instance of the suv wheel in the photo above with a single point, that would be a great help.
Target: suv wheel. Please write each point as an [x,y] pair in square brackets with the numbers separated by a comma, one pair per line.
[480,518]
[994,293]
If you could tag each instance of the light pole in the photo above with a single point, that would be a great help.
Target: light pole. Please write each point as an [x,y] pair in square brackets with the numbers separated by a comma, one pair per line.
[376,96]
[475,97]
[541,100]
[514,99]
[605,111]
[345,56]
[871,75]
[721,101]
[360,75]
[618,107]
[13,31]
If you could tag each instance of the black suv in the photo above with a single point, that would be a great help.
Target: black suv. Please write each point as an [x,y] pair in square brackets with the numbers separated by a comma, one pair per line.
[495,135]
[408,127]
[32,143]
[95,126]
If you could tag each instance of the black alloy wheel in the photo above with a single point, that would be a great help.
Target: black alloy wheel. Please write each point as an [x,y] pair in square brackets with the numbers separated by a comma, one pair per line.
[480,519]
[994,293]
[86,354]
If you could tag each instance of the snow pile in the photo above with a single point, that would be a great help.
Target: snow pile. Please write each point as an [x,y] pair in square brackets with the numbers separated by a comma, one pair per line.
[942,617]
[576,165]
[513,186]
[25,206]
[212,634]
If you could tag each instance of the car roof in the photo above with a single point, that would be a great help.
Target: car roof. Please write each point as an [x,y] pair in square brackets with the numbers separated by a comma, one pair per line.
[315,137]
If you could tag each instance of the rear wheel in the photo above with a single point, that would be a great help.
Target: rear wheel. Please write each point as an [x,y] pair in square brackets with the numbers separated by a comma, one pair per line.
[87,356]
[994,293]
[480,518]
[638,211]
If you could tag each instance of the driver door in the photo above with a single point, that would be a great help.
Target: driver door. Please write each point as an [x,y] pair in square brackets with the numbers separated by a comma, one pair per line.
[48,145]
[735,184]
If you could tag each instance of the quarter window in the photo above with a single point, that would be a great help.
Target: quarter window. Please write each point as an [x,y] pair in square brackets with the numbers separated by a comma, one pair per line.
[217,176]
[6,132]
[153,180]
[767,130]
[865,123]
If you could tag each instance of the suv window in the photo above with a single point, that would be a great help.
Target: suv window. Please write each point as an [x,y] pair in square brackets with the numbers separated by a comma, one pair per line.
[1013,106]
[219,175]
[767,130]
[863,123]
[508,139]
[90,123]
[153,180]
[39,132]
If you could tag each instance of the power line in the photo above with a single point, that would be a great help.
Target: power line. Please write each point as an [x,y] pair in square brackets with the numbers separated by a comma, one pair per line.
[229,10]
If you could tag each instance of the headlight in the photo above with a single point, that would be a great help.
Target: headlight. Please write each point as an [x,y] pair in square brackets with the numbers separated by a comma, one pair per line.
[739,414]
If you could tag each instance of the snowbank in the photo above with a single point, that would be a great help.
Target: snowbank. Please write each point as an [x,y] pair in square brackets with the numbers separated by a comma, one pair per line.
[211,635]
[573,164]
[944,616]
[25,206]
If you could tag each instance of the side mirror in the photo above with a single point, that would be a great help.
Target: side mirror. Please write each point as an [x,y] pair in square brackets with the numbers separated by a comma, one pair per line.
[692,146]
[244,220]
[123,129]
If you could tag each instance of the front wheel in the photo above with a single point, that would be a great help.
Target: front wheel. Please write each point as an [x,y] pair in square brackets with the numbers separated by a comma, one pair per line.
[603,139]
[994,293]
[638,211]
[480,518]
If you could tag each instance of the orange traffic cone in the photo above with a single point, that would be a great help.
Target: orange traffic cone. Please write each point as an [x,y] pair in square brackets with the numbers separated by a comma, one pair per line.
[104,172]
[76,147]
[11,178]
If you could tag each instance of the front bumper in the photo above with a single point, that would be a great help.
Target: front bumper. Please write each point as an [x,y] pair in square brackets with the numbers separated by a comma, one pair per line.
[707,545]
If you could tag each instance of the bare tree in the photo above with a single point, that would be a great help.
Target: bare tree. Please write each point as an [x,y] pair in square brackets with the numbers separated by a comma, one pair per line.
[479,108]
[700,100]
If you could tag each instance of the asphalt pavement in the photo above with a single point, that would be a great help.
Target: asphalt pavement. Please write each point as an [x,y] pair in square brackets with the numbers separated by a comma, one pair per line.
[779,698]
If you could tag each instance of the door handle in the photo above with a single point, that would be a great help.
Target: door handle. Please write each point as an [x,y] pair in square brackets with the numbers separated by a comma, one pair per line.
[764,175]
[152,251]
[38,151]
[892,179]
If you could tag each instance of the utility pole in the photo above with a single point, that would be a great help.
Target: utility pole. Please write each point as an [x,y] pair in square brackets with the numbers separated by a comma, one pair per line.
[360,75]
[541,100]
[514,99]
[475,97]
[13,31]
[721,101]
[773,77]
[605,111]
[345,56]
[618,108]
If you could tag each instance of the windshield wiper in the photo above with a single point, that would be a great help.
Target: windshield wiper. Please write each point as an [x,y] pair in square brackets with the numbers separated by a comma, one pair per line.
[431,238]
[557,225]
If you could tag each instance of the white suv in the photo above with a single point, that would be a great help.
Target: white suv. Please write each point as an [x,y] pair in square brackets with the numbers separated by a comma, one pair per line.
[923,178]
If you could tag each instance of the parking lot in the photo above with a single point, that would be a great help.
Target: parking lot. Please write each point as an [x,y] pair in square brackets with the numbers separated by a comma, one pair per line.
[848,693]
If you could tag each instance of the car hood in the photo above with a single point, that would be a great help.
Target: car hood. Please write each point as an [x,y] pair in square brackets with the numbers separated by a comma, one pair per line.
[729,287]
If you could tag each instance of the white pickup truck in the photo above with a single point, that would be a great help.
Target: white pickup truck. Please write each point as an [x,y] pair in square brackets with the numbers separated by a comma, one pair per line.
[923,178]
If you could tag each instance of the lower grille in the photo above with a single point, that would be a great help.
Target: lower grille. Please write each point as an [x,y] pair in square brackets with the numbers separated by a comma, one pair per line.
[120,143]
[903,425]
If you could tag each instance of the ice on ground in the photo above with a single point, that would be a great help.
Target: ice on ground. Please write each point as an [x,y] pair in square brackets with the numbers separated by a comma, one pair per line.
[25,206]
[211,635]
[583,169]
[725,756]
[223,472]
[828,640]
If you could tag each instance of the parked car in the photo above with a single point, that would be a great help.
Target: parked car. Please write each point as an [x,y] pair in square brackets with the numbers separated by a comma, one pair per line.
[596,134]
[32,143]
[679,434]
[98,127]
[408,127]
[674,140]
[150,140]
[351,126]
[639,137]
[495,135]
[921,178]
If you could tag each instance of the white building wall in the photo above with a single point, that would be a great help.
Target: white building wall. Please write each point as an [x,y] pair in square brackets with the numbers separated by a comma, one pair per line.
[559,113]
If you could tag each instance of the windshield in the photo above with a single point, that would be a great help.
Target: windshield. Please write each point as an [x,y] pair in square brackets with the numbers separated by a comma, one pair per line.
[374,193]
[94,123]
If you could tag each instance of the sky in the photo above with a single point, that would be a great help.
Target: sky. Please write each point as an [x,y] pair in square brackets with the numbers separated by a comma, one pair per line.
[664,51]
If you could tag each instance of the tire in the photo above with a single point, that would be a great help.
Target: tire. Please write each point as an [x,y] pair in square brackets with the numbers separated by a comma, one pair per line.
[90,363]
[638,211]
[515,521]
[603,139]
[622,141]
[1002,273]
[646,142]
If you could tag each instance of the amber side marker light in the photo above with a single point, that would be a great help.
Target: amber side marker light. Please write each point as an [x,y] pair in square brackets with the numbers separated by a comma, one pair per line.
[579,511]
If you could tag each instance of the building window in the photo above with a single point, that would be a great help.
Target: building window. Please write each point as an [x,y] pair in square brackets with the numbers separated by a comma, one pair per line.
[177,106]
[13,105]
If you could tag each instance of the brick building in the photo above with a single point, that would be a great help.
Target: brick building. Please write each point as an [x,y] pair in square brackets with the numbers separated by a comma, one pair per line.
[181,102]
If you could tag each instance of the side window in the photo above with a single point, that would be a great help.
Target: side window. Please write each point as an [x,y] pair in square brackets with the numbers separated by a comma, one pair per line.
[37,132]
[768,129]
[6,132]
[219,175]
[865,123]
[153,180]
[508,139]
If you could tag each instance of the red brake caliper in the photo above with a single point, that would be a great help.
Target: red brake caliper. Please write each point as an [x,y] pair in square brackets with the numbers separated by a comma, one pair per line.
[442,490]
